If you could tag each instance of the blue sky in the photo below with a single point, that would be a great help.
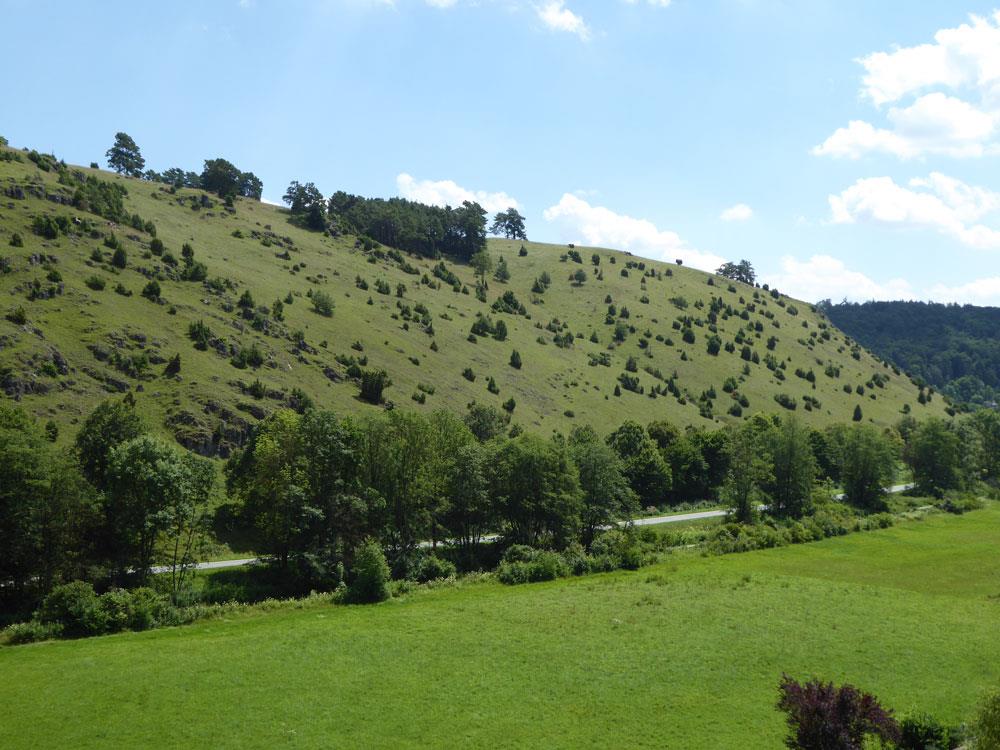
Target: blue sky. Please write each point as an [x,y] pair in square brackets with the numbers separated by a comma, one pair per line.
[845,148]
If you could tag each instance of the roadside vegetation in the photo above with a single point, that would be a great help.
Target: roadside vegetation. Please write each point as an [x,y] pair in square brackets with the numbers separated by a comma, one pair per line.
[357,506]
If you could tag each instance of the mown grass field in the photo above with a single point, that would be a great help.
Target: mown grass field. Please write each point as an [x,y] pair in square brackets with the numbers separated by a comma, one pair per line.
[684,654]
[208,403]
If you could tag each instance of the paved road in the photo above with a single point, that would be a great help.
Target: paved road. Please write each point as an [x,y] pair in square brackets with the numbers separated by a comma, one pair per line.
[675,517]
[647,521]
[212,565]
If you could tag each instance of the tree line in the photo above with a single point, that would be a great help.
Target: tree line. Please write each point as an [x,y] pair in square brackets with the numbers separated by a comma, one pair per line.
[218,176]
[429,231]
[309,489]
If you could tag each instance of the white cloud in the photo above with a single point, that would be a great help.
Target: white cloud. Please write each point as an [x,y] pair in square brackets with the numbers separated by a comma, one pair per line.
[985,291]
[441,3]
[966,56]
[938,202]
[825,277]
[600,226]
[556,16]
[965,61]
[739,212]
[449,193]
[933,124]
[654,3]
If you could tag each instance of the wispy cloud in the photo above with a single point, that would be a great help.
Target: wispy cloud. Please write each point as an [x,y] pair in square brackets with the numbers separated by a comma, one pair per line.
[556,16]
[739,212]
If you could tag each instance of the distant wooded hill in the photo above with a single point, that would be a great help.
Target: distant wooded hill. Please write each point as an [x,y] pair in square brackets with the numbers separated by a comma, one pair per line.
[955,348]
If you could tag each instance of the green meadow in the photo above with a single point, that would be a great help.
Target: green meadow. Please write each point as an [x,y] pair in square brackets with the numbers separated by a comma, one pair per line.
[683,654]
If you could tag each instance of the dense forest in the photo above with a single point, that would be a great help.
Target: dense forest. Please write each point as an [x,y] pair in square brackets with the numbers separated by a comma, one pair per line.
[955,348]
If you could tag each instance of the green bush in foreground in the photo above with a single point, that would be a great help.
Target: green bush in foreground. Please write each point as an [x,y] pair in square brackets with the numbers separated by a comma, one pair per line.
[76,608]
[924,731]
[371,575]
[612,550]
[985,729]
[432,568]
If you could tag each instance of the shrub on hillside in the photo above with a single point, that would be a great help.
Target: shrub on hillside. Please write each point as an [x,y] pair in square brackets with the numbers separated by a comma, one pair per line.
[152,291]
[373,383]
[322,304]
[17,316]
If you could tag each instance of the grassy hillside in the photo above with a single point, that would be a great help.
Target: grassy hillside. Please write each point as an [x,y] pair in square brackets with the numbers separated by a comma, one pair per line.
[77,343]
[684,654]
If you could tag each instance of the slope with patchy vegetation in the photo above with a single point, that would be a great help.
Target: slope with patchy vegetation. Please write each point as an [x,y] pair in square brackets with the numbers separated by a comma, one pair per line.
[216,314]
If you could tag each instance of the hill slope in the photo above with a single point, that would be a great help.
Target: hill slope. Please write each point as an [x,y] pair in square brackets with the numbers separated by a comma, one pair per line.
[954,348]
[76,341]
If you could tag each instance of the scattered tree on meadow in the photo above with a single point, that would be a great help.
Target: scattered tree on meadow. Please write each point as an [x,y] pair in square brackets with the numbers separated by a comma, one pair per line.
[124,156]
[306,201]
[482,264]
[510,224]
[373,384]
[225,180]
[502,273]
[741,271]
[322,303]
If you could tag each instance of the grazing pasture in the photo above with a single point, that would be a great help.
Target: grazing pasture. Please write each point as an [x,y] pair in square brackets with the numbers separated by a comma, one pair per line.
[687,653]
